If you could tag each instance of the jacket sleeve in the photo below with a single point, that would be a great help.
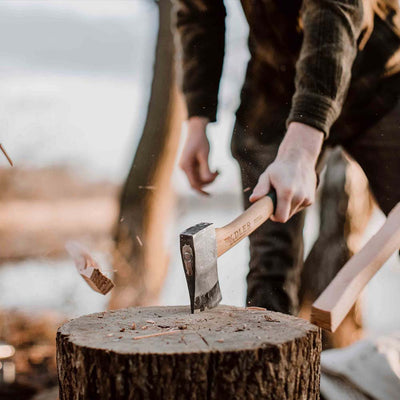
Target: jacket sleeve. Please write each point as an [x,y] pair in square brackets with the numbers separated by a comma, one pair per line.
[331,29]
[200,26]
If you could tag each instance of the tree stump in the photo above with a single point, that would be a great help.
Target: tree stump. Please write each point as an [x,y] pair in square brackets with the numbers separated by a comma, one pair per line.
[224,353]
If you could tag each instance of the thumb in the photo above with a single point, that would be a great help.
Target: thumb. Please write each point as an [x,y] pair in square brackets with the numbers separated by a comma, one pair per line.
[262,188]
[206,175]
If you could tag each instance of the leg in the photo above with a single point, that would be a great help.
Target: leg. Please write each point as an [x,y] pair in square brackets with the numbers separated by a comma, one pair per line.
[378,153]
[276,250]
[345,208]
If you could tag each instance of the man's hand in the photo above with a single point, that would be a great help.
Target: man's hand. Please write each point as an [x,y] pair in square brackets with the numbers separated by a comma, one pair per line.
[194,159]
[292,174]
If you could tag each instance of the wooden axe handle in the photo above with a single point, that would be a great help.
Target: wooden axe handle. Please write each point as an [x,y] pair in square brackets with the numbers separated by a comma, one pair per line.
[231,234]
[331,307]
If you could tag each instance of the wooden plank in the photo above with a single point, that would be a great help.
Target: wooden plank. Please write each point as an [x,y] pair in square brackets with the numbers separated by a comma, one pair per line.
[337,299]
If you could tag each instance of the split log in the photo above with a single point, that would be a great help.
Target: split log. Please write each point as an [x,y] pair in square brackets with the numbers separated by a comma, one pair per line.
[224,353]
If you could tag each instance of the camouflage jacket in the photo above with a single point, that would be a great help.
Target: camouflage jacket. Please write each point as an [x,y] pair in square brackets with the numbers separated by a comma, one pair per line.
[310,59]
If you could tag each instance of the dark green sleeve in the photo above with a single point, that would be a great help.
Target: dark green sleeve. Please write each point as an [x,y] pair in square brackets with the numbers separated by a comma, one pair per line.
[200,25]
[323,72]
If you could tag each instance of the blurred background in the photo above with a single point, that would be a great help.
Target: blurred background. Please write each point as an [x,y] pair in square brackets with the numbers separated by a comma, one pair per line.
[75,85]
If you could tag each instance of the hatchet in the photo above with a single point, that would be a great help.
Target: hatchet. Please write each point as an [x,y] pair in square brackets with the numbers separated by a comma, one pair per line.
[202,244]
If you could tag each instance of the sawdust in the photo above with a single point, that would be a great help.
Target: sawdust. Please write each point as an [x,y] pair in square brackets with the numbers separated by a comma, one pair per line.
[269,319]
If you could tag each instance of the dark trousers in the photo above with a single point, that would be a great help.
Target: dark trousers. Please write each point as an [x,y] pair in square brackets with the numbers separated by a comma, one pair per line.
[276,250]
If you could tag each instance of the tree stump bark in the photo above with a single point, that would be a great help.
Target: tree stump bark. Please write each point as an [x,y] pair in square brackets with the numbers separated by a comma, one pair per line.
[224,353]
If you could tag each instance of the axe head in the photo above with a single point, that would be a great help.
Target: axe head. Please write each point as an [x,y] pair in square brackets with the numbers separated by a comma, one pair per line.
[199,258]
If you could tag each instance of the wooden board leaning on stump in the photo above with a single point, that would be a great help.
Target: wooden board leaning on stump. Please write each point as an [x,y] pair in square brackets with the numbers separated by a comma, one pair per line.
[224,353]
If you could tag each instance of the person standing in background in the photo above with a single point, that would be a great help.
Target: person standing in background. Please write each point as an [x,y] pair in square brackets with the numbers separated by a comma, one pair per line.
[321,74]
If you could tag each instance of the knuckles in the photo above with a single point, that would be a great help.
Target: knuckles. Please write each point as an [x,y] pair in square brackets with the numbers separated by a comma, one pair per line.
[287,193]
[309,200]
[281,218]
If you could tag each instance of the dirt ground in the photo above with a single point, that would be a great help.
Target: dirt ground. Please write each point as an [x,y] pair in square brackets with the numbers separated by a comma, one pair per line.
[40,210]
[33,336]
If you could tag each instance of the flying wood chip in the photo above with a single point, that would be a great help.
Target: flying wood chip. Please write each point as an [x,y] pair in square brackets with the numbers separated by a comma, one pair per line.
[89,269]
[6,155]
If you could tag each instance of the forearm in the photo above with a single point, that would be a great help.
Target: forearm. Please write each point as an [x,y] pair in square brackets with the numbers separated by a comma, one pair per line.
[331,29]
[201,31]
[197,124]
[301,141]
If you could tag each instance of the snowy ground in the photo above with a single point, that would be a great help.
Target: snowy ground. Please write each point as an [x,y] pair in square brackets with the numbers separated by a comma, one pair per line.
[74,82]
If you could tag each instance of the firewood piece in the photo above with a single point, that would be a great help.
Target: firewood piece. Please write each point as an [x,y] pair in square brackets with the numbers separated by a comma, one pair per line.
[207,360]
[331,307]
[89,269]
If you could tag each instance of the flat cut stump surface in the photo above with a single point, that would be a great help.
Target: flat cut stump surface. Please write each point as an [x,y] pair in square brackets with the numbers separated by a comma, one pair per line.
[224,353]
